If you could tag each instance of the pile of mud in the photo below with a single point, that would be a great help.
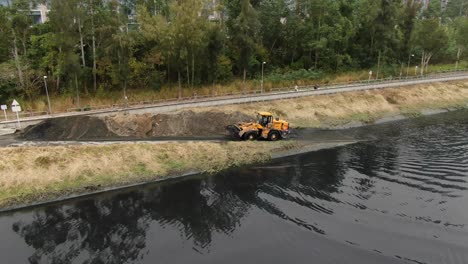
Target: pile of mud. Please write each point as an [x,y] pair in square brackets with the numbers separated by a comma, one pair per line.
[68,128]
[183,124]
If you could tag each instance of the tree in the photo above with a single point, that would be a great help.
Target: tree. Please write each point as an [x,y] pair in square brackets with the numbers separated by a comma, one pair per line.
[5,33]
[120,49]
[179,36]
[410,14]
[63,41]
[294,31]
[16,27]
[214,50]
[106,22]
[329,29]
[433,10]
[430,37]
[461,36]
[244,33]
[92,9]
[456,8]
[274,15]
[8,71]
[191,27]
[379,33]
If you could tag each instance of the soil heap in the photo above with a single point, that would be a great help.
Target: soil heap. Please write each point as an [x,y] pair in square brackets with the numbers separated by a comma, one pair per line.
[178,124]
[68,128]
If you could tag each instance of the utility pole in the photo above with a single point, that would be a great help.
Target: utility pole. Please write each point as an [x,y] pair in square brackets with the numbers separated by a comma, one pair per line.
[378,67]
[77,91]
[47,93]
[409,60]
[263,63]
[422,63]
[401,70]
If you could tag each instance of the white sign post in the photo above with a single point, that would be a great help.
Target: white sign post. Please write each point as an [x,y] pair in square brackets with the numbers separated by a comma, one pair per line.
[4,108]
[15,107]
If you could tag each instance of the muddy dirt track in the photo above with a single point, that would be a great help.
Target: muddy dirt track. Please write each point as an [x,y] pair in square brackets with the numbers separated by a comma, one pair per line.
[179,124]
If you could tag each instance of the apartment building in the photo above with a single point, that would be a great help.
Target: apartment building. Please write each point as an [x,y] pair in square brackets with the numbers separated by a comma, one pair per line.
[37,12]
[425,3]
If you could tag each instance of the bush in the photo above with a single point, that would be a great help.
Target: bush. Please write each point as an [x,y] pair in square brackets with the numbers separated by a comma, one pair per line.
[101,91]
[302,74]
[224,68]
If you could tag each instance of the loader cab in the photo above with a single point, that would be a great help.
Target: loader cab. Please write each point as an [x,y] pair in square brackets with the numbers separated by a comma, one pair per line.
[264,118]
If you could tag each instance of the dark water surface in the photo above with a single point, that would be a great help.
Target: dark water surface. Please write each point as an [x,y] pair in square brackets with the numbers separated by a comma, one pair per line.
[401,197]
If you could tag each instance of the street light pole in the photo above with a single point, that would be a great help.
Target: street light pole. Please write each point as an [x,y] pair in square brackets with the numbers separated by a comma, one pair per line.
[401,70]
[47,93]
[263,63]
[409,60]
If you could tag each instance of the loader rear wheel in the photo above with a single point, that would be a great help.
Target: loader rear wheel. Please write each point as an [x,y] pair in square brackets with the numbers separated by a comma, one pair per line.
[273,136]
[250,136]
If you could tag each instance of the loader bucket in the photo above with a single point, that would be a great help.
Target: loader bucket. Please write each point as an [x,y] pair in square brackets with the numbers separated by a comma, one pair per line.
[232,131]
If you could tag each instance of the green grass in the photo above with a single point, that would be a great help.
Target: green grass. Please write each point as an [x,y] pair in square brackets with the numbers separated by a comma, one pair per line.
[447,67]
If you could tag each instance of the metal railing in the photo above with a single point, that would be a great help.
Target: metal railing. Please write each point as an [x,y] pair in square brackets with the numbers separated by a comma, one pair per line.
[374,81]
[168,101]
[23,114]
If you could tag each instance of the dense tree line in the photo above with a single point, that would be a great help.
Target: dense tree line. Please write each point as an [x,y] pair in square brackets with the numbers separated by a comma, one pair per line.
[94,46]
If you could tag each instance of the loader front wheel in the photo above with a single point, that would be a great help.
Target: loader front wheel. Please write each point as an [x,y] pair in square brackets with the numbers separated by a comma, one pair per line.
[250,136]
[273,136]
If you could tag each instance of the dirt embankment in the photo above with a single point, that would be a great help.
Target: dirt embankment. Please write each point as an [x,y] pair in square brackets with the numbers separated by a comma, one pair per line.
[326,111]
[184,123]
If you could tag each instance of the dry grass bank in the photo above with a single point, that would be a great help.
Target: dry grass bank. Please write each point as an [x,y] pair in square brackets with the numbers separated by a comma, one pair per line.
[31,174]
[363,106]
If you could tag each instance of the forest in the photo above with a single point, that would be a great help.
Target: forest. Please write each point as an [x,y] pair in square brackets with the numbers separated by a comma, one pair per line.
[94,47]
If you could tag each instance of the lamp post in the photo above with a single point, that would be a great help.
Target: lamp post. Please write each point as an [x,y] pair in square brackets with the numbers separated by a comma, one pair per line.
[401,70]
[263,64]
[409,60]
[47,93]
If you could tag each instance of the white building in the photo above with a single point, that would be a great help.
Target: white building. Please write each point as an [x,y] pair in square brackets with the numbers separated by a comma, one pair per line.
[37,12]
[425,3]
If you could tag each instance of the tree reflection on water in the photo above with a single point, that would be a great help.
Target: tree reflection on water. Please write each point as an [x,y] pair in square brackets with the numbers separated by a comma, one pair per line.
[399,173]
[112,228]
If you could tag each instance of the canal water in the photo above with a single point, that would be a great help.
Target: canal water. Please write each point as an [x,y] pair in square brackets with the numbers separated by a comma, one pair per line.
[398,196]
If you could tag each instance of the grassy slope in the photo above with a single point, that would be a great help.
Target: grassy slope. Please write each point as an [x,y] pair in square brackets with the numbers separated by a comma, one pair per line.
[29,174]
[363,106]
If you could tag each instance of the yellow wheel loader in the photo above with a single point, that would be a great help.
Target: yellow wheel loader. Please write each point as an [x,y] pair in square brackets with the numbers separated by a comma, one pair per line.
[265,128]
